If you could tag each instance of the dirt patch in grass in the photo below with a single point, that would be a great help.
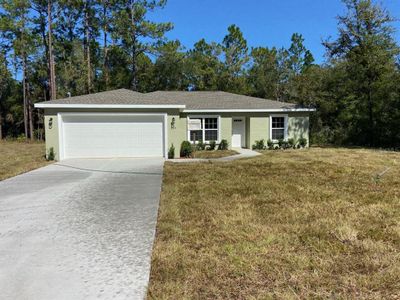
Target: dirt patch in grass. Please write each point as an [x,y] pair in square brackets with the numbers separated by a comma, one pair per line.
[214,154]
[299,224]
[20,157]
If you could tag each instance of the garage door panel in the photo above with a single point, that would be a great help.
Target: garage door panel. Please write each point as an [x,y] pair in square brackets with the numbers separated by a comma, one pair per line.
[113,136]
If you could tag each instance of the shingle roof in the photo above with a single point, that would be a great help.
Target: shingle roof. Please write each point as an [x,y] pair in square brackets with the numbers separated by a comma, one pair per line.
[216,100]
[192,100]
[121,96]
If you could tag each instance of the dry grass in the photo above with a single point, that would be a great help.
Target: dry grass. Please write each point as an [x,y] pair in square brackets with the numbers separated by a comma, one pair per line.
[298,224]
[214,154]
[20,157]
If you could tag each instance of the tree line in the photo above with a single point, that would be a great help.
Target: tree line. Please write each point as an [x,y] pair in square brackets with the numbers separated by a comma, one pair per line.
[51,49]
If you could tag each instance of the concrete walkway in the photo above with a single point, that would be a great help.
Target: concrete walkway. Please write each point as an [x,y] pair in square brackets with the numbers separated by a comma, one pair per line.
[243,153]
[80,229]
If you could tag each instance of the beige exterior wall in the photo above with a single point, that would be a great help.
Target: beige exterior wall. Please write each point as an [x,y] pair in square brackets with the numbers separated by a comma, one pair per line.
[51,133]
[226,129]
[298,126]
[178,134]
[257,127]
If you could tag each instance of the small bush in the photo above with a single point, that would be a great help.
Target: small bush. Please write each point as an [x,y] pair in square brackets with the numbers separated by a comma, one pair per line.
[200,146]
[171,152]
[280,143]
[186,149]
[270,144]
[223,145]
[259,145]
[291,143]
[21,138]
[285,145]
[51,155]
[212,146]
[302,142]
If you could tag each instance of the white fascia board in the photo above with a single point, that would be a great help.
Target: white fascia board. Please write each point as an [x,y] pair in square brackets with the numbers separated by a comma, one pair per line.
[111,106]
[249,110]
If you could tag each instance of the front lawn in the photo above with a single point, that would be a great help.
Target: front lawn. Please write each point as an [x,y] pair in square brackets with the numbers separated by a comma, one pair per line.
[20,157]
[213,154]
[294,224]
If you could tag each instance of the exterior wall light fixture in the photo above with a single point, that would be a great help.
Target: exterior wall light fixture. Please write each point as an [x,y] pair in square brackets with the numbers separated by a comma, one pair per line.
[173,123]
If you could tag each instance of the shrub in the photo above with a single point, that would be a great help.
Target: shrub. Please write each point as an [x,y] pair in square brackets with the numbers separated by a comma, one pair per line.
[291,143]
[212,145]
[51,155]
[223,145]
[302,142]
[200,146]
[270,144]
[259,145]
[171,152]
[280,143]
[186,149]
[21,138]
[285,145]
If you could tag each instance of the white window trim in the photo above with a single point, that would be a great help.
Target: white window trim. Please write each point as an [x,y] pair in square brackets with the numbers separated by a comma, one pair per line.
[285,128]
[203,125]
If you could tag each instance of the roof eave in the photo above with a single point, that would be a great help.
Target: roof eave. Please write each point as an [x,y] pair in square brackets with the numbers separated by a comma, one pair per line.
[277,110]
[112,106]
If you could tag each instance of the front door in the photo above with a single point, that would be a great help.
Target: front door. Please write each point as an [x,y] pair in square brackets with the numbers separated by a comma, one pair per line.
[238,132]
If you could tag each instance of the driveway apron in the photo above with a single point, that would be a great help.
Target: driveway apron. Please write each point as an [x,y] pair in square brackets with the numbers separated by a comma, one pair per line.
[79,229]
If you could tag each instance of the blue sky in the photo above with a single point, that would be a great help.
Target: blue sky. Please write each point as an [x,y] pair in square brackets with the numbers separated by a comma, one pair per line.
[263,22]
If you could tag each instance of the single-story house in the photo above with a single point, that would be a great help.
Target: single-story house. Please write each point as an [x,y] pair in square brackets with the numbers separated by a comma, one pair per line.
[123,123]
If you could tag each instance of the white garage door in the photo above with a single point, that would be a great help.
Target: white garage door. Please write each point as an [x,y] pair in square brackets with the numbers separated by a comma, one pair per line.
[112,135]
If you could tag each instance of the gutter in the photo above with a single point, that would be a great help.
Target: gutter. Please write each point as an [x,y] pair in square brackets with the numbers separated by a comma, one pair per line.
[111,106]
[170,106]
[249,110]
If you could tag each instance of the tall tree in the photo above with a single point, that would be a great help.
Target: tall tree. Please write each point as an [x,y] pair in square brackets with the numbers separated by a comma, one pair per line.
[17,33]
[300,58]
[90,32]
[367,47]
[44,20]
[53,85]
[5,77]
[105,18]
[169,68]
[204,66]
[234,47]
[263,75]
[135,33]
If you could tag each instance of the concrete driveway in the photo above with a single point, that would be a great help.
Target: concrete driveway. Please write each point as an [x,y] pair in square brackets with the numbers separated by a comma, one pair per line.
[80,229]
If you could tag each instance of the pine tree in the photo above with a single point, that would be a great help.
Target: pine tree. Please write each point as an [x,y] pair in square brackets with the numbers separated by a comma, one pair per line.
[367,48]
[135,34]
[235,50]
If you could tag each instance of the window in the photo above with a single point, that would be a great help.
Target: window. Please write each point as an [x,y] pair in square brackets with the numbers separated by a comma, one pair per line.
[278,127]
[197,135]
[207,130]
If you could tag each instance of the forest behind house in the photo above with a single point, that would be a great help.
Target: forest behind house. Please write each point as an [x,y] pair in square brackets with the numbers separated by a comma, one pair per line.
[52,49]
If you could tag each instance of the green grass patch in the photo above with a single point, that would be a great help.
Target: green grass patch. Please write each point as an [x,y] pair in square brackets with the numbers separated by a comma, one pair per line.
[20,157]
[293,224]
[213,154]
